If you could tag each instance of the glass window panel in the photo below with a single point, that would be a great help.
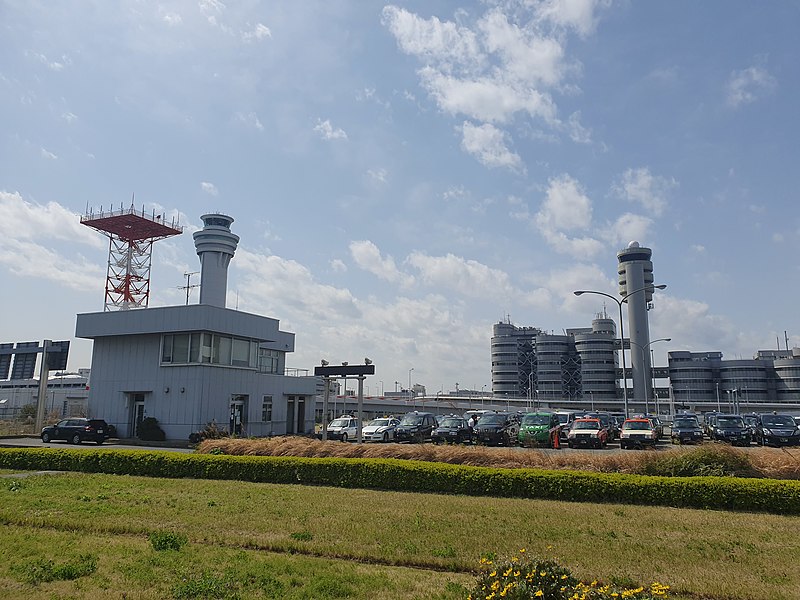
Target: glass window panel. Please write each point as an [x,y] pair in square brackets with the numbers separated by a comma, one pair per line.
[194,348]
[180,348]
[253,355]
[205,348]
[266,409]
[240,353]
[224,356]
[166,349]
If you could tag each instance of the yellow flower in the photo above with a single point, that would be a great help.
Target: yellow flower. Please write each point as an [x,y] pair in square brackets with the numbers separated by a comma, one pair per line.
[539,593]
[522,550]
[516,573]
[493,573]
[507,573]
[564,576]
[542,573]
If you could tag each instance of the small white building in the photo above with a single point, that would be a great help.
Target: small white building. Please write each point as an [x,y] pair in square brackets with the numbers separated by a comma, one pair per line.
[190,365]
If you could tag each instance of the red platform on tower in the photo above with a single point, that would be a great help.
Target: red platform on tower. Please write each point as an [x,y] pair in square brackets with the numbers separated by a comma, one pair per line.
[132,225]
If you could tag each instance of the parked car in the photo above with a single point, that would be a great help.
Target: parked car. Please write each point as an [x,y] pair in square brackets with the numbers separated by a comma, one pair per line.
[708,422]
[637,433]
[344,428]
[731,428]
[566,418]
[588,433]
[608,421]
[655,421]
[452,429]
[751,420]
[777,430]
[415,427]
[537,429]
[380,430]
[77,430]
[686,430]
[497,428]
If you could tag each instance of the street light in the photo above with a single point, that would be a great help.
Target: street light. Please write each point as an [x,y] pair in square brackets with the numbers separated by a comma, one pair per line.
[410,393]
[622,329]
[643,349]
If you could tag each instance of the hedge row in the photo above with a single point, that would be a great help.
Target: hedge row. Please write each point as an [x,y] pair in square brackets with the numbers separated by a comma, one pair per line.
[726,493]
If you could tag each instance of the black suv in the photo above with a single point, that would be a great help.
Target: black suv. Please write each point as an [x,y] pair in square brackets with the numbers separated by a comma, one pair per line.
[496,428]
[777,430]
[77,430]
[731,428]
[686,430]
[415,427]
[452,429]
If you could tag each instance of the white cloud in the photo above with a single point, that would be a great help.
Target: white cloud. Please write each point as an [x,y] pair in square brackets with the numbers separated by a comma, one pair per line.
[566,208]
[629,227]
[488,145]
[577,132]
[338,266]
[27,234]
[468,277]
[209,188]
[69,117]
[250,119]
[378,175]
[47,154]
[328,132]
[748,85]
[642,187]
[257,33]
[580,15]
[368,257]
[699,248]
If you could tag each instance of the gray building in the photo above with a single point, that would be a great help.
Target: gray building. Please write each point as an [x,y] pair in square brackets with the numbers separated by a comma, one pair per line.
[580,365]
[187,366]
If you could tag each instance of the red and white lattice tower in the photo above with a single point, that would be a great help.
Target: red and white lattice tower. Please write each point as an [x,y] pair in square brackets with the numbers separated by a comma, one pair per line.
[131,234]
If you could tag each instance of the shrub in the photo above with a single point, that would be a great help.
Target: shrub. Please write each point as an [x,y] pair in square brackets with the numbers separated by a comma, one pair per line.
[167,540]
[719,460]
[528,578]
[150,431]
[725,493]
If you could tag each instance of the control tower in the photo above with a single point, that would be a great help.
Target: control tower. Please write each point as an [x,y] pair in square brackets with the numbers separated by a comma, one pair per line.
[215,245]
[131,234]
[635,272]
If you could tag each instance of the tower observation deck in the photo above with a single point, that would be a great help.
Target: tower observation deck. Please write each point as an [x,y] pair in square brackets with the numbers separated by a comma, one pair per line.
[131,234]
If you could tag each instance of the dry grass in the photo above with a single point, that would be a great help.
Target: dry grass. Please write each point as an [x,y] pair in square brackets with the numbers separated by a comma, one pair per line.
[777,463]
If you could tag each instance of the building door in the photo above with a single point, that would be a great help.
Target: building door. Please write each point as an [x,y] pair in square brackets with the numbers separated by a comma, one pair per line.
[301,414]
[238,412]
[290,415]
[138,413]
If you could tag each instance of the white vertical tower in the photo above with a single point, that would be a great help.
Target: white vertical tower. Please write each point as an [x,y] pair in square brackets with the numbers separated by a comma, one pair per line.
[215,245]
[636,273]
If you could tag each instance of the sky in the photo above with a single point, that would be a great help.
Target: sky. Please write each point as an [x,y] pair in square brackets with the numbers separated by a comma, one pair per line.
[404,175]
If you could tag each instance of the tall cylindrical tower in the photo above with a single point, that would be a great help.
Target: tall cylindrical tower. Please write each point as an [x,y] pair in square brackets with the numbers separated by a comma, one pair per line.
[215,245]
[636,273]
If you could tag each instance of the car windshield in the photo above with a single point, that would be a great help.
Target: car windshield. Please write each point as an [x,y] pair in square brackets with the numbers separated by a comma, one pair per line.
[492,420]
[586,425]
[563,419]
[451,422]
[536,420]
[684,423]
[777,421]
[636,425]
[380,422]
[729,422]
[340,422]
[411,420]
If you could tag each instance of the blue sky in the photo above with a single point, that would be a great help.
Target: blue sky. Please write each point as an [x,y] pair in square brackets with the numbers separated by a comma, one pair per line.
[404,175]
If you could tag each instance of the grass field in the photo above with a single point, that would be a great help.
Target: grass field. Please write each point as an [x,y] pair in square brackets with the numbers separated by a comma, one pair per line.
[367,544]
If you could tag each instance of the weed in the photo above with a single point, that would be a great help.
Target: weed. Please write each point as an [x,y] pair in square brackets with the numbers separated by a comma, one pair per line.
[302,536]
[207,585]
[446,552]
[43,570]
[167,540]
[15,485]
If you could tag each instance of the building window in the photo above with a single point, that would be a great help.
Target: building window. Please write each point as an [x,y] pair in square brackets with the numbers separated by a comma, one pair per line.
[266,409]
[208,348]
[269,361]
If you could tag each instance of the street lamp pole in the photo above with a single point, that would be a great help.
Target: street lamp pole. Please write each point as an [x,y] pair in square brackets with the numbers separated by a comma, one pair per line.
[410,393]
[643,350]
[622,330]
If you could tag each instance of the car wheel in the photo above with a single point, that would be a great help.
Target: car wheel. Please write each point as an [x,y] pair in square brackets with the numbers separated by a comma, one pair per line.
[76,439]
[623,446]
[385,436]
[344,437]
[45,437]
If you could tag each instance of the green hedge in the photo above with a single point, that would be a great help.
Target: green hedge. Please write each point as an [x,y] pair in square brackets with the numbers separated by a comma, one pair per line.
[726,493]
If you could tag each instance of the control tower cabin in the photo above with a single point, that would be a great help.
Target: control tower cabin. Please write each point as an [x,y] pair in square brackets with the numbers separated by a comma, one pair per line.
[635,272]
[215,245]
